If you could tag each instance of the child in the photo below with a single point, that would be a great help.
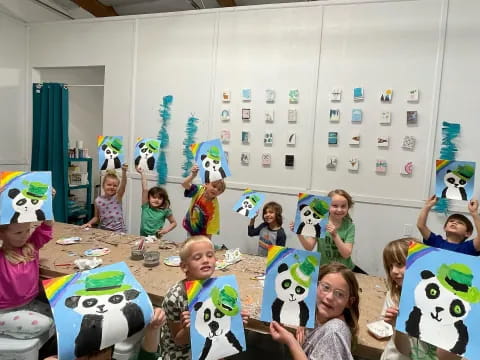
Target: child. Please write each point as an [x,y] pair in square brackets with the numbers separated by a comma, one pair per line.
[457,229]
[402,346]
[203,215]
[270,231]
[21,314]
[108,207]
[155,209]
[336,318]
[338,242]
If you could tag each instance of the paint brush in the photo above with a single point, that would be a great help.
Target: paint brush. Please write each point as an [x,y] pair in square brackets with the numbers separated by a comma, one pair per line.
[141,244]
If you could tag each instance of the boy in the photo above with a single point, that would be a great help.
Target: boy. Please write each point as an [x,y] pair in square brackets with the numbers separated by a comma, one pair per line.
[457,229]
[203,215]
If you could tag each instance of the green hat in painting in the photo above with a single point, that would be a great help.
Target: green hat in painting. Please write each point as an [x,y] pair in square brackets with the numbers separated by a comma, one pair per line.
[104,283]
[35,190]
[302,273]
[214,153]
[225,300]
[457,278]
[464,172]
[254,199]
[319,207]
[152,145]
[116,144]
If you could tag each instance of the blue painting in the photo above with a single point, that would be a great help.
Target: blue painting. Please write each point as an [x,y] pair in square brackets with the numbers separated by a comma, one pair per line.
[97,308]
[440,302]
[25,196]
[111,153]
[210,158]
[146,154]
[312,215]
[216,327]
[454,179]
[249,203]
[290,290]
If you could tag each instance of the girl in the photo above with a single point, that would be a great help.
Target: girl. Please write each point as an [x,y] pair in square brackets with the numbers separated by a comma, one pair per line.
[336,318]
[338,242]
[21,314]
[108,207]
[401,346]
[155,209]
[270,231]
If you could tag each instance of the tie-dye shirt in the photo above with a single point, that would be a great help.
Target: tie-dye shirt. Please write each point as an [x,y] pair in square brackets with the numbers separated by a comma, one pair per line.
[203,216]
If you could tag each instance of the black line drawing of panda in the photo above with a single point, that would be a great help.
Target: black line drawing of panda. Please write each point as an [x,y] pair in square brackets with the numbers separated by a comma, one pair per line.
[212,165]
[111,158]
[146,159]
[215,327]
[438,313]
[454,186]
[310,222]
[26,209]
[106,318]
[289,306]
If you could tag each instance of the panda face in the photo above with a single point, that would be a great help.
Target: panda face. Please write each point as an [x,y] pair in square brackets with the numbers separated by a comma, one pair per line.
[101,304]
[247,204]
[308,216]
[110,154]
[452,180]
[24,205]
[211,322]
[210,164]
[288,290]
[145,152]
[439,304]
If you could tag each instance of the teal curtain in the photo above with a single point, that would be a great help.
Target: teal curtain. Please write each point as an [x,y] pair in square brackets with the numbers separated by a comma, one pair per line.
[50,140]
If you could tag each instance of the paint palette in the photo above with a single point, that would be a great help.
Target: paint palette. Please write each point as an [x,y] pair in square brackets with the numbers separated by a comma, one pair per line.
[97,252]
[380,329]
[172,261]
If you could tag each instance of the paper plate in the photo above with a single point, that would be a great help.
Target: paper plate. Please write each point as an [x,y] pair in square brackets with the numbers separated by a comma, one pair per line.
[69,241]
[97,252]
[380,329]
[172,261]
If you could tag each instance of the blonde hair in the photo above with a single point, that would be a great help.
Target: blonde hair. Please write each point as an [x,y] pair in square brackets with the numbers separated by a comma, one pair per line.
[219,184]
[347,196]
[27,251]
[395,252]
[112,174]
[185,249]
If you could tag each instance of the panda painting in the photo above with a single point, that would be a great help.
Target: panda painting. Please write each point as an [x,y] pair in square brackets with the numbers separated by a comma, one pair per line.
[146,157]
[310,222]
[454,186]
[215,326]
[438,314]
[26,206]
[106,318]
[249,203]
[212,165]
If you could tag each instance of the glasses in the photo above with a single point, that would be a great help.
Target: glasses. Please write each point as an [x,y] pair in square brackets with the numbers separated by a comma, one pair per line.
[327,289]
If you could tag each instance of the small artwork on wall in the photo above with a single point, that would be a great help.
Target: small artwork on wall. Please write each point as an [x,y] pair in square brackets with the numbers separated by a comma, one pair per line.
[412,118]
[336,94]
[293,95]
[226,96]
[383,141]
[268,138]
[409,142]
[270,96]
[266,159]
[225,115]
[225,136]
[332,138]
[289,160]
[245,137]
[291,138]
[332,162]
[357,115]
[407,168]
[386,96]
[292,115]
[245,114]
[358,94]
[334,115]
[385,118]
[246,95]
[413,95]
[353,164]
[355,139]
[269,116]
[245,158]
[226,155]
[381,166]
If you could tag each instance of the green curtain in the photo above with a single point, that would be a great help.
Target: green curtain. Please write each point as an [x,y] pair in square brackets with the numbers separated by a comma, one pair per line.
[50,140]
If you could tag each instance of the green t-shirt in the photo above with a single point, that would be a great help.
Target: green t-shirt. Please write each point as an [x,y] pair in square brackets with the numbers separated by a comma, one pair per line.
[329,251]
[152,219]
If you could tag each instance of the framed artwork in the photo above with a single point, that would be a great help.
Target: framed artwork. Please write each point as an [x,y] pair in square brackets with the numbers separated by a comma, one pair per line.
[409,142]
[266,159]
[407,168]
[440,299]
[97,308]
[269,116]
[293,95]
[412,118]
[268,138]
[225,136]
[290,287]
[357,115]
[245,137]
[291,138]
[381,166]
[336,94]
[312,214]
[334,115]
[216,329]
[289,160]
[225,115]
[292,115]
[454,179]
[354,139]
[332,138]
[353,164]
[226,96]
[245,158]
[332,162]
[249,203]
[270,96]
[386,96]
[26,196]
[413,95]
[385,118]
[383,141]
[246,114]
[246,95]
[210,158]
[110,152]
[146,154]
[358,94]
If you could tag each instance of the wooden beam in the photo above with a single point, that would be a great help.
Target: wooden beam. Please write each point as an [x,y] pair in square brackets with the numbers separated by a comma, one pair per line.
[96,8]
[226,3]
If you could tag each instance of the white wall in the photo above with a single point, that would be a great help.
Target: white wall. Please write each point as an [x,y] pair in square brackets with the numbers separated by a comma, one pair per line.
[194,55]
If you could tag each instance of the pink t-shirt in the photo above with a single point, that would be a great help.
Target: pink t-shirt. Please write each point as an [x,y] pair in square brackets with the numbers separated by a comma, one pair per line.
[19,283]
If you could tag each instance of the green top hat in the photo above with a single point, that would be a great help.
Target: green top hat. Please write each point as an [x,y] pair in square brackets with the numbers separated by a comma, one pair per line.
[464,172]
[152,145]
[254,199]
[457,278]
[104,283]
[35,190]
[225,300]
[116,144]
[319,207]
[214,153]
[302,273]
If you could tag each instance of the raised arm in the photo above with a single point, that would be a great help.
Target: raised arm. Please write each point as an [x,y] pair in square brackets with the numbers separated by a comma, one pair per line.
[144,185]
[123,183]
[422,217]
[187,182]
[473,209]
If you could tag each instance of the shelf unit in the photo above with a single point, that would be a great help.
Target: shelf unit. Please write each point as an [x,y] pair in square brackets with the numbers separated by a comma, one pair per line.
[79,214]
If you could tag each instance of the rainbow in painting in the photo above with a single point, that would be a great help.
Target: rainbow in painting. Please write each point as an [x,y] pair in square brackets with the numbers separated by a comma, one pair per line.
[454,179]
[416,251]
[195,288]
[194,148]
[6,177]
[289,292]
[211,160]
[56,287]
[312,214]
[440,164]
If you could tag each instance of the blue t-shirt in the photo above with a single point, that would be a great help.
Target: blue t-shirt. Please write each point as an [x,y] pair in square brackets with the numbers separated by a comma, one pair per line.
[465,247]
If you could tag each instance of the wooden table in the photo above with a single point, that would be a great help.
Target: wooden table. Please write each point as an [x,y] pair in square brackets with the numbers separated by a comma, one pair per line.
[157,280]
